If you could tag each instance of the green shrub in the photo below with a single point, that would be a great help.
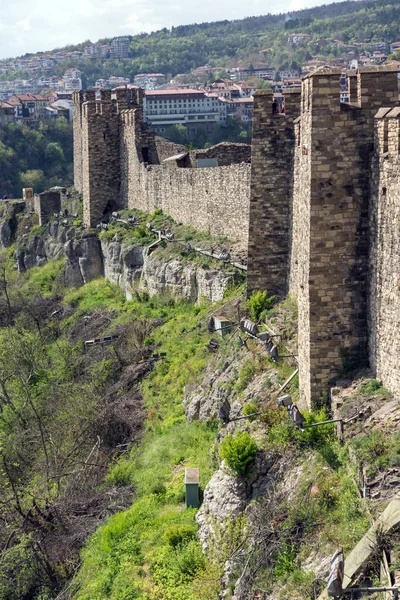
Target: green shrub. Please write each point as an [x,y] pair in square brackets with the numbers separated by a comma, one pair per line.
[316,436]
[377,451]
[259,303]
[140,232]
[285,560]
[281,431]
[107,235]
[246,374]
[300,584]
[249,409]
[179,534]
[121,473]
[174,569]
[238,451]
[372,387]
[44,278]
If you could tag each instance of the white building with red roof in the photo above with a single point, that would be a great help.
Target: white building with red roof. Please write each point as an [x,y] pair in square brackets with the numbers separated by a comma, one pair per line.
[189,107]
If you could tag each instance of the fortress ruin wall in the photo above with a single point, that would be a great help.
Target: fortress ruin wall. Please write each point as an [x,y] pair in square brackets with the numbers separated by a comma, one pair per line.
[384,260]
[318,207]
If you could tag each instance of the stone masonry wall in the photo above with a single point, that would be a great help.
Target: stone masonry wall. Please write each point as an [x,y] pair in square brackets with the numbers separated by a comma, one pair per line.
[227,154]
[322,213]
[46,204]
[384,280]
[214,199]
[77,132]
[165,148]
[332,306]
[309,229]
[100,156]
[270,194]
[299,252]
[329,252]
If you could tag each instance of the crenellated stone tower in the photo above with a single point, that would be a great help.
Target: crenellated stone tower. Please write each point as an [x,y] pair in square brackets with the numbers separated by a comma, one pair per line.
[98,127]
[315,235]
[271,190]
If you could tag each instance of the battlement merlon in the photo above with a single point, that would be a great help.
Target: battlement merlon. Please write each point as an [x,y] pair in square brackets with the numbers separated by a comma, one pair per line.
[369,88]
[264,102]
[128,117]
[129,97]
[376,86]
[77,97]
[351,75]
[320,92]
[387,131]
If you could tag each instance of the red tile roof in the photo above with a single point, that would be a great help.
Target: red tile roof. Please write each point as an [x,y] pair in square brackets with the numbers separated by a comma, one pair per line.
[173,92]
[28,97]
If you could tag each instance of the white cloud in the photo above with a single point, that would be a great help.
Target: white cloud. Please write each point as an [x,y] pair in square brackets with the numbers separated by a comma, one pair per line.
[31,26]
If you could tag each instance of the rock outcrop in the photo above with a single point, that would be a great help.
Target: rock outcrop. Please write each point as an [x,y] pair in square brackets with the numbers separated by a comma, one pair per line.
[88,257]
[84,260]
[184,280]
[122,264]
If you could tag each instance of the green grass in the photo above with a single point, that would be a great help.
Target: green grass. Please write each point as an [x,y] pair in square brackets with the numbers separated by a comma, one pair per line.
[139,235]
[97,294]
[150,552]
[44,279]
[136,542]
[377,451]
[373,387]
[130,556]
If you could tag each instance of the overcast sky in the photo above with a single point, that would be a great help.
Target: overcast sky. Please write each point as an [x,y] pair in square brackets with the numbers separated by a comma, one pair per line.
[35,25]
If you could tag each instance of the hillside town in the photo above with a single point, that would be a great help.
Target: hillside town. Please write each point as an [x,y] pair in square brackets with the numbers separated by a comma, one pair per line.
[207,96]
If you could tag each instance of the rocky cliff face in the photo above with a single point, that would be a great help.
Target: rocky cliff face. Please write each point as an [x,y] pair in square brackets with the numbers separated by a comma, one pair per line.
[186,281]
[88,257]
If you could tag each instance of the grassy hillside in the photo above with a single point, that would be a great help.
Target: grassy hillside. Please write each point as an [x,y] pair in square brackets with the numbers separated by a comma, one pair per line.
[69,413]
[94,443]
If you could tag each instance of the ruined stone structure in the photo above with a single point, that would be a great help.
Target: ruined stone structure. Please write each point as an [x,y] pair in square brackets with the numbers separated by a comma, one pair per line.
[320,202]
[46,204]
[119,162]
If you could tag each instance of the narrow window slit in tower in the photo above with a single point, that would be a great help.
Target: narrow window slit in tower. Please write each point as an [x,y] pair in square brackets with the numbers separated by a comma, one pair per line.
[385,136]
[145,155]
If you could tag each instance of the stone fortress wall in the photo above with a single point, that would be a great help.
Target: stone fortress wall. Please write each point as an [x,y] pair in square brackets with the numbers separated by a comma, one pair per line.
[329,239]
[119,162]
[384,257]
[318,207]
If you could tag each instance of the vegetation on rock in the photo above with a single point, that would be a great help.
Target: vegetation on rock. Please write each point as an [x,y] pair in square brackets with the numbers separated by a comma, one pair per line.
[238,451]
[94,443]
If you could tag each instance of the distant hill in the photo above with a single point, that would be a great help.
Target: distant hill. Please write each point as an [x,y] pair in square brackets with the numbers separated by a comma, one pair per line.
[264,38]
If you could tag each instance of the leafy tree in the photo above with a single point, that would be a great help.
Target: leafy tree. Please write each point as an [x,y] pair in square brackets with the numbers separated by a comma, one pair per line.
[54,153]
[177,133]
[35,158]
[33,178]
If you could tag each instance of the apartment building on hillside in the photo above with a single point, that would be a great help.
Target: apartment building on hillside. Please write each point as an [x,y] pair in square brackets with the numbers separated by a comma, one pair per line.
[163,108]
[119,47]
